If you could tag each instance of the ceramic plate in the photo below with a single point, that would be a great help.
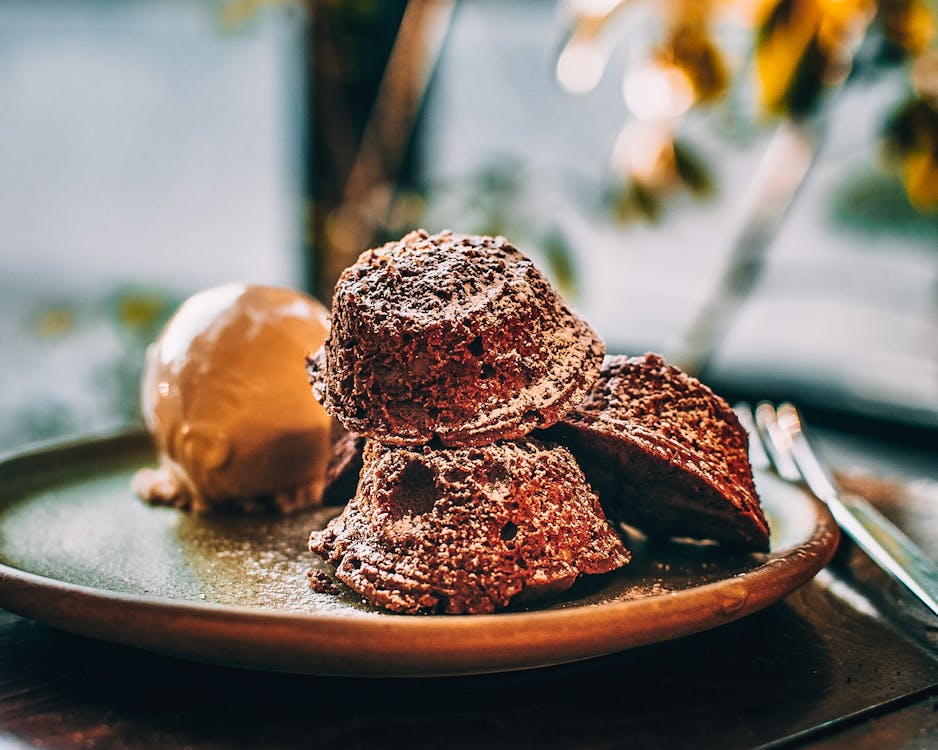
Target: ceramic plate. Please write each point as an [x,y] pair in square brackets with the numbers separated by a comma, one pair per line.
[80,552]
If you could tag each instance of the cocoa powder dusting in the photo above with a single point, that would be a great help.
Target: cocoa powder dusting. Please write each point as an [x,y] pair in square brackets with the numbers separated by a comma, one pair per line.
[451,337]
[468,530]
[665,453]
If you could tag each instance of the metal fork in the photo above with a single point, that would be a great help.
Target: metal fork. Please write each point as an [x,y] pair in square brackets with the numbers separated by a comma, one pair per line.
[778,439]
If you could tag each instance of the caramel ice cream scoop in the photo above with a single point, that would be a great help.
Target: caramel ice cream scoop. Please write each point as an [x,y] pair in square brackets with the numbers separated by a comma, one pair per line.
[225,397]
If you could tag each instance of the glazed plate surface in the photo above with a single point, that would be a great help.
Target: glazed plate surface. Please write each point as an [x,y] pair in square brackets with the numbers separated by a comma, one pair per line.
[80,552]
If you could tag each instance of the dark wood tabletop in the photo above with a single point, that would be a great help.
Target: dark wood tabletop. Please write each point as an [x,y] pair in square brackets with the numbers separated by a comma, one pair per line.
[850,660]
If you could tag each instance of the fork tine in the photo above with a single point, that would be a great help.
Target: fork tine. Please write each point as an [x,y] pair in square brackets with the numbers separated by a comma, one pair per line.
[757,455]
[776,442]
[807,464]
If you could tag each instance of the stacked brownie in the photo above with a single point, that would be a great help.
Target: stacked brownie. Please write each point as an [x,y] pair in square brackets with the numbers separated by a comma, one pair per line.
[446,352]
[451,338]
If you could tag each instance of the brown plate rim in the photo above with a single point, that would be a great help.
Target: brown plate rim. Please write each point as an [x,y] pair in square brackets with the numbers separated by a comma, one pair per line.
[396,645]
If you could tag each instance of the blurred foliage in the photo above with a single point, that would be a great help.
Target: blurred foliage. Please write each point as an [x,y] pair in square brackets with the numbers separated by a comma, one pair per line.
[912,143]
[749,63]
[53,321]
[491,201]
[908,24]
[677,168]
[142,312]
[871,203]
[559,256]
[691,50]
[800,53]
[98,342]
[803,47]
[137,316]
[235,14]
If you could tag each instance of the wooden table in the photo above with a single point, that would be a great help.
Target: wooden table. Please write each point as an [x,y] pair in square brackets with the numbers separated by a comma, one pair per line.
[851,650]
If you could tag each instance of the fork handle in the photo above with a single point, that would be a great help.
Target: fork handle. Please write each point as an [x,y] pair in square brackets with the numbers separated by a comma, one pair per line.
[919,568]
[875,534]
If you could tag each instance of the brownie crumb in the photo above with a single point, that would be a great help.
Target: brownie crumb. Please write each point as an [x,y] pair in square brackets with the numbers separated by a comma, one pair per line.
[321,582]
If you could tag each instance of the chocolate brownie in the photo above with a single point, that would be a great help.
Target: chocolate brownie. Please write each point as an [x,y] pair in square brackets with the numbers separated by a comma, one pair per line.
[345,464]
[451,337]
[468,530]
[666,454]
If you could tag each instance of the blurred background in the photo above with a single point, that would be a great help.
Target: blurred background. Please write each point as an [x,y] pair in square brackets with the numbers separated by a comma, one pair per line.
[749,187]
